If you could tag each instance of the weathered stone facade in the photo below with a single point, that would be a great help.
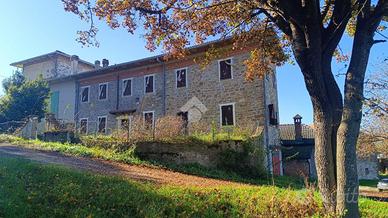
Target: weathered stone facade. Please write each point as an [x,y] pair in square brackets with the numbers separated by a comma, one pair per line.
[207,87]
[204,86]
[367,168]
[52,67]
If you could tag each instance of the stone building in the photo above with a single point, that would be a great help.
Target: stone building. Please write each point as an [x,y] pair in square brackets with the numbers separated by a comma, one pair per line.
[53,67]
[297,153]
[102,98]
[152,88]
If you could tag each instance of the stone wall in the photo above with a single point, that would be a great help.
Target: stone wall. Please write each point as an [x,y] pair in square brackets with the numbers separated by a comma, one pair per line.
[208,155]
[206,86]
[202,85]
[45,68]
[367,168]
[54,68]
[145,102]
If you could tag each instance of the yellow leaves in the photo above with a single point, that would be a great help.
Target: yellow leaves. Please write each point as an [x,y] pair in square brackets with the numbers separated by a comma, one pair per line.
[257,65]
[339,56]
[351,26]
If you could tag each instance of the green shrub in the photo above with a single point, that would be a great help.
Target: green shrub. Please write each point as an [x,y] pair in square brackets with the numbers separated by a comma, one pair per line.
[106,142]
[249,162]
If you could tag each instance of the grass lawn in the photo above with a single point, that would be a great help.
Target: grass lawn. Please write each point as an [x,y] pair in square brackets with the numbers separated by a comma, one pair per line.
[29,189]
[129,158]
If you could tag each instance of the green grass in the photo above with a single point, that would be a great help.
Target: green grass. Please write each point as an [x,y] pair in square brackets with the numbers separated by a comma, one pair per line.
[29,189]
[75,149]
[196,169]
[129,158]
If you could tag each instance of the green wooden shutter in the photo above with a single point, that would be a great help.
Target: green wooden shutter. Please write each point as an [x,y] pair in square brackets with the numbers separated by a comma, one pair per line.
[54,103]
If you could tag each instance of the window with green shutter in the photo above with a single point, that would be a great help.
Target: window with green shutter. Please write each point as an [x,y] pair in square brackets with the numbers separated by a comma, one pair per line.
[54,103]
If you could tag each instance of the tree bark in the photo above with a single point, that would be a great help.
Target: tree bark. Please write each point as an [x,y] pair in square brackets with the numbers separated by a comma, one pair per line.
[347,185]
[310,62]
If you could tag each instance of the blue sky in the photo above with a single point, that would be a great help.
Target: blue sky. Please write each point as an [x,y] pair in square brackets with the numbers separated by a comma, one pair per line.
[31,28]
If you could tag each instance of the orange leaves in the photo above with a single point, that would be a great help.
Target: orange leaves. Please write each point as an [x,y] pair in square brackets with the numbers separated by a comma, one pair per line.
[176,24]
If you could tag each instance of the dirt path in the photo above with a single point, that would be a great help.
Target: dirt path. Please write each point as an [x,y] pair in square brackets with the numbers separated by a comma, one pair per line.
[140,173]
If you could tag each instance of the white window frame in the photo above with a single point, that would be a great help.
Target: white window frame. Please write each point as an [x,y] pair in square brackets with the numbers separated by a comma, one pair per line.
[153,83]
[99,90]
[234,112]
[82,88]
[122,92]
[87,124]
[219,67]
[153,117]
[176,79]
[98,122]
[120,118]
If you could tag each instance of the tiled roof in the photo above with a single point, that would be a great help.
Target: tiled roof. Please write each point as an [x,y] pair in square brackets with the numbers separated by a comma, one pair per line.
[287,132]
[158,59]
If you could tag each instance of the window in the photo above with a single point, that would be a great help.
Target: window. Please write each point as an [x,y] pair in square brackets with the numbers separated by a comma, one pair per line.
[225,69]
[148,118]
[149,84]
[103,89]
[83,129]
[124,124]
[85,94]
[185,119]
[227,114]
[273,118]
[127,87]
[102,124]
[181,78]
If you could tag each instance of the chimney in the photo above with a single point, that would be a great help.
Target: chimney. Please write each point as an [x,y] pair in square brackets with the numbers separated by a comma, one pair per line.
[105,62]
[298,127]
[74,64]
[97,64]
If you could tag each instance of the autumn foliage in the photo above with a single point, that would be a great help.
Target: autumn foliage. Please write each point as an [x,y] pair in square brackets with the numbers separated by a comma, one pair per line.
[175,25]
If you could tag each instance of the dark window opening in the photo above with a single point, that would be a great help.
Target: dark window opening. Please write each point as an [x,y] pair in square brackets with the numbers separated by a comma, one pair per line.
[127,84]
[225,69]
[124,124]
[102,124]
[83,126]
[149,119]
[227,115]
[85,94]
[181,78]
[149,84]
[273,118]
[103,89]
[185,118]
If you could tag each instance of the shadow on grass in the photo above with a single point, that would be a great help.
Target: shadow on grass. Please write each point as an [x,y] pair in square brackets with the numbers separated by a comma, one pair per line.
[198,170]
[31,189]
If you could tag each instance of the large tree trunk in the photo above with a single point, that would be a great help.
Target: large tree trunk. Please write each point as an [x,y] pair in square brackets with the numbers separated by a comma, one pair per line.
[310,62]
[347,186]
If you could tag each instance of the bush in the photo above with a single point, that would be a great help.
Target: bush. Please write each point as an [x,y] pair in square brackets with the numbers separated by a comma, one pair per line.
[249,162]
[106,142]
[169,127]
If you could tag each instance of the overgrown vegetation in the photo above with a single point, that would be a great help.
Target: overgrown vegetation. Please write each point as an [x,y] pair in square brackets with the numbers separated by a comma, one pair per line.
[75,149]
[22,100]
[173,129]
[248,162]
[129,157]
[69,193]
